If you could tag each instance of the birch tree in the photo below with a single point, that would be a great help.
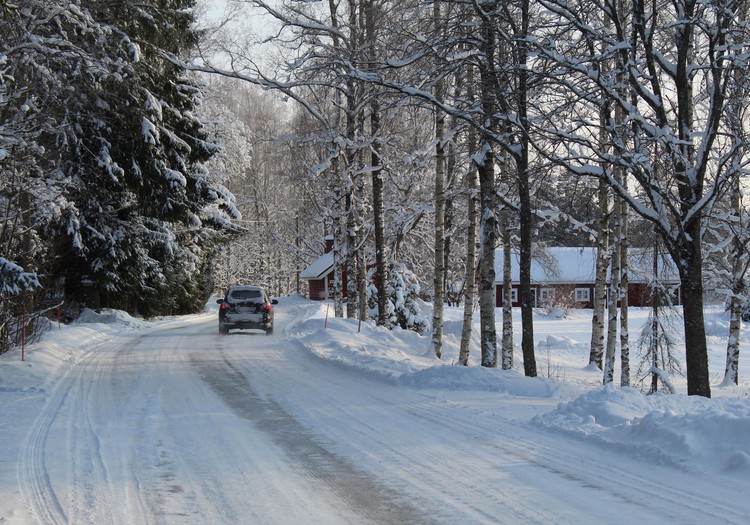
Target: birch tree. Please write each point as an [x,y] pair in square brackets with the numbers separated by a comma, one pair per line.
[596,355]
[678,78]
[470,279]
[439,277]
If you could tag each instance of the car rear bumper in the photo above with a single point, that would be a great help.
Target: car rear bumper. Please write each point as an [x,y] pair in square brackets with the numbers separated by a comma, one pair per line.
[246,321]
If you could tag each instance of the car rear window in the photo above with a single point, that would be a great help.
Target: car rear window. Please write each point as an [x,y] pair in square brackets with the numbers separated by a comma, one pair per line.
[245,294]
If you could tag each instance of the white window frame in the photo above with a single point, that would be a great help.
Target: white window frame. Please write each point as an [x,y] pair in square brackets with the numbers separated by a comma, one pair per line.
[583,295]
[514,295]
[546,295]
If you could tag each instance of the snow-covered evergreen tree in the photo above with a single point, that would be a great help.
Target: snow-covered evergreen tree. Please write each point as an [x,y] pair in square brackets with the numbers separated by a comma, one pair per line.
[403,296]
[101,151]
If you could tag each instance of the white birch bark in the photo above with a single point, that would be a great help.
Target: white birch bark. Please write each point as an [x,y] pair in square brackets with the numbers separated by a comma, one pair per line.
[507,334]
[739,267]
[439,239]
[612,298]
[472,187]
[596,354]
[624,284]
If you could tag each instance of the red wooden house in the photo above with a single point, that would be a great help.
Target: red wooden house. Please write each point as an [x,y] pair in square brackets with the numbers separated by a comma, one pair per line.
[319,275]
[568,275]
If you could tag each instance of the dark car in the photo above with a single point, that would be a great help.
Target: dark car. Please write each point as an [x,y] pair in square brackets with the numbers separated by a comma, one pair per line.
[246,307]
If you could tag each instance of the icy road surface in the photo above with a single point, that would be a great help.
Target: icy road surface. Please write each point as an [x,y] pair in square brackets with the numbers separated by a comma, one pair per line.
[178,424]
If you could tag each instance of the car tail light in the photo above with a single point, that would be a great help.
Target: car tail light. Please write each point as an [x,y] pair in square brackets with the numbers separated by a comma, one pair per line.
[268,308]
[224,306]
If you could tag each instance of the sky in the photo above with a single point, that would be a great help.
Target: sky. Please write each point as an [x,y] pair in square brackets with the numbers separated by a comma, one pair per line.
[119,420]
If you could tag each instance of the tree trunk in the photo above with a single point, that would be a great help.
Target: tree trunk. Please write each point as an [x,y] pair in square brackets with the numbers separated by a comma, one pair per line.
[471,264]
[351,258]
[613,297]
[524,197]
[655,313]
[338,266]
[487,228]
[739,265]
[439,234]
[731,373]
[689,261]
[471,239]
[596,354]
[377,181]
[485,159]
[507,338]
[624,284]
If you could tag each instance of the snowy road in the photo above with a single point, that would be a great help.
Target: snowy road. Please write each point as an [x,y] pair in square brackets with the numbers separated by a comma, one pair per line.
[177,424]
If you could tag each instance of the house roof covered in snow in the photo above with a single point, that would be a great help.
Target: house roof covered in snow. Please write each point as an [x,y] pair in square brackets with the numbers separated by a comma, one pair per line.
[320,268]
[577,265]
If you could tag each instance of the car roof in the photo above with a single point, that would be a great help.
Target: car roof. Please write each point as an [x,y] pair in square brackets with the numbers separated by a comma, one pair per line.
[245,287]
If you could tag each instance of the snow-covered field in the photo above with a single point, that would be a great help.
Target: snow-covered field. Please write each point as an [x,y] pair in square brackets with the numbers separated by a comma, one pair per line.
[116,420]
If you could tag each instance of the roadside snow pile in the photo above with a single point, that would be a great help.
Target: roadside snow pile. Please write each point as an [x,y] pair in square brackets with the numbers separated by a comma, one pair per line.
[116,317]
[510,382]
[686,431]
[406,358]
[388,354]
[62,347]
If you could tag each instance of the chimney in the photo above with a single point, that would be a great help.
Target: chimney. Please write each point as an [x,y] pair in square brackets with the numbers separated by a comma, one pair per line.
[329,243]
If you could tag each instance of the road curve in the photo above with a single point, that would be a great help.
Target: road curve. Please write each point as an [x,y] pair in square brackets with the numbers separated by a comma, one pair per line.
[178,424]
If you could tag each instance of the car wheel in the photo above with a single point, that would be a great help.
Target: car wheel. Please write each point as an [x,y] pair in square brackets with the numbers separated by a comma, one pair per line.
[223,329]
[269,331]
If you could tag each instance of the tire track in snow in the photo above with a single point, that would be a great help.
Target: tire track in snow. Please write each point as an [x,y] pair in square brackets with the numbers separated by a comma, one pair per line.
[408,455]
[365,496]
[69,404]
[658,497]
[516,451]
[32,472]
[33,476]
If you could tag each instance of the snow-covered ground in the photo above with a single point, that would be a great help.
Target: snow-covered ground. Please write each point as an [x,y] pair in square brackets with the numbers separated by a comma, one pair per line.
[117,420]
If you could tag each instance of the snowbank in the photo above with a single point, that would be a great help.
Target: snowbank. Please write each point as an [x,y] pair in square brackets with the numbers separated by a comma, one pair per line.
[690,432]
[111,317]
[687,432]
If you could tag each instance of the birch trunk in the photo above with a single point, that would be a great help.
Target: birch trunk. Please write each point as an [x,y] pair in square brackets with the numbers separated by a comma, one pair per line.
[471,240]
[439,239]
[485,160]
[596,354]
[731,374]
[624,284]
[507,339]
[487,228]
[338,235]
[338,193]
[655,313]
[524,198]
[622,211]
[471,265]
[739,265]
[351,167]
[377,185]
[613,296]
[351,258]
